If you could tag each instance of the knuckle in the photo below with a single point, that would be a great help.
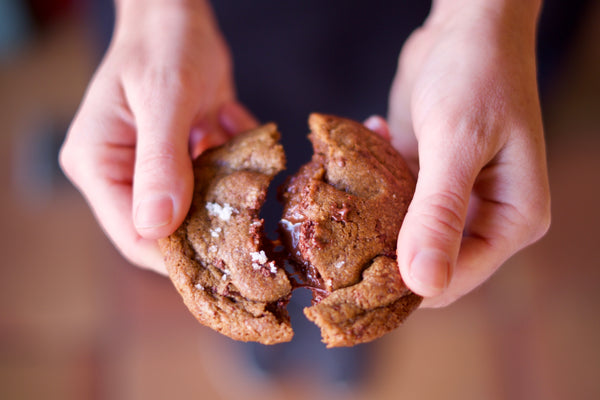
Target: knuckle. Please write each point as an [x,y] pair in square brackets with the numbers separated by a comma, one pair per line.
[155,157]
[171,80]
[443,214]
[68,159]
[539,220]
[531,221]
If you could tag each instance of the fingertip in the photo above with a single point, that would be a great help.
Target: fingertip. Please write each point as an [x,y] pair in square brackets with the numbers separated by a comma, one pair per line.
[235,118]
[153,216]
[142,253]
[162,194]
[378,125]
[428,273]
[440,301]
[203,137]
[152,258]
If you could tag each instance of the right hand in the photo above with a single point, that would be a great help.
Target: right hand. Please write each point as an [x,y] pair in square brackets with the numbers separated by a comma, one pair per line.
[163,94]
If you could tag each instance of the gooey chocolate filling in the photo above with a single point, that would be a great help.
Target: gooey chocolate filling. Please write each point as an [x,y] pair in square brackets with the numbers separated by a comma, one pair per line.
[304,275]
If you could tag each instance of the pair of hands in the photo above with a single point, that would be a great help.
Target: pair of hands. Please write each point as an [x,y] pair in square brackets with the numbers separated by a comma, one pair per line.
[463,110]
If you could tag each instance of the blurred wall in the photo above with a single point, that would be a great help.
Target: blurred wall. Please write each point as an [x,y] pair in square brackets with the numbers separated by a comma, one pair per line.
[77,322]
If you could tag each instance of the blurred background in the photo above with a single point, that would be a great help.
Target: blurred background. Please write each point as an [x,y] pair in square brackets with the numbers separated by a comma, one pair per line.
[78,322]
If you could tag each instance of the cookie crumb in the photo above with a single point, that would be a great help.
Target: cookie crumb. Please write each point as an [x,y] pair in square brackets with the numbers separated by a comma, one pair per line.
[224,212]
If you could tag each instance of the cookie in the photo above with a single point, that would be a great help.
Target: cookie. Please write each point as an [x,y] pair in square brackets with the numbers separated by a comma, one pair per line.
[219,258]
[342,214]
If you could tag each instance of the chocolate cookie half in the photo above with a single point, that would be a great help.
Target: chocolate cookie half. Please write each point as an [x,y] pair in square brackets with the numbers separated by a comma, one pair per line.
[219,259]
[342,214]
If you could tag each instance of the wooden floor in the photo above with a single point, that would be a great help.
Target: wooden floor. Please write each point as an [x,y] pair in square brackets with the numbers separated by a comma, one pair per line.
[77,322]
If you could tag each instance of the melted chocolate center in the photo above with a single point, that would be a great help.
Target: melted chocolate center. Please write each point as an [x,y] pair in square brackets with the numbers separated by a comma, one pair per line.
[305,275]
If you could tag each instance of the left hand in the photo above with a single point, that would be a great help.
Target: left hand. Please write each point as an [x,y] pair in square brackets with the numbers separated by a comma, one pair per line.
[464,110]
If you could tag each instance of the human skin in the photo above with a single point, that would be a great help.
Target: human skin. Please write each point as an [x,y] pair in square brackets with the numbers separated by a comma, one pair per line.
[163,93]
[463,109]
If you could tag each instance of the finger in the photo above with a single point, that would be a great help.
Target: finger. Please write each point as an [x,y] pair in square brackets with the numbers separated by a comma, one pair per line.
[378,125]
[205,135]
[111,203]
[103,174]
[479,257]
[235,118]
[163,178]
[430,236]
[399,115]
[509,210]
[400,127]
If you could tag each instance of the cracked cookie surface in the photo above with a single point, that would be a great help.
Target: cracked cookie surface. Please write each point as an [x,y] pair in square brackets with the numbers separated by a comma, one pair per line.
[219,259]
[342,214]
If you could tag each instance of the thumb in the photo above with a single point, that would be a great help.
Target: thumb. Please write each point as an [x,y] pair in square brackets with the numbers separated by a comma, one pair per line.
[378,125]
[431,234]
[163,177]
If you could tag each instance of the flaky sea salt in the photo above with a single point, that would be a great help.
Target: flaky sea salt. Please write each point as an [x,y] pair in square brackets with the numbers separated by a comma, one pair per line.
[272,267]
[226,274]
[199,286]
[224,212]
[259,257]
[213,248]
[339,264]
[215,232]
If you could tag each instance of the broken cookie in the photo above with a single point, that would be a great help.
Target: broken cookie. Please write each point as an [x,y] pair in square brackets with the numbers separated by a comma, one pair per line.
[342,214]
[343,211]
[219,259]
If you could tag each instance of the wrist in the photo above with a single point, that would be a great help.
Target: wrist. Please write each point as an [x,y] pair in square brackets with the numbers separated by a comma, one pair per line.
[138,6]
[500,24]
[155,16]
[521,13]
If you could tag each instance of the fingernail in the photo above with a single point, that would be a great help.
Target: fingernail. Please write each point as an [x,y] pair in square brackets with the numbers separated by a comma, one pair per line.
[154,211]
[431,269]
